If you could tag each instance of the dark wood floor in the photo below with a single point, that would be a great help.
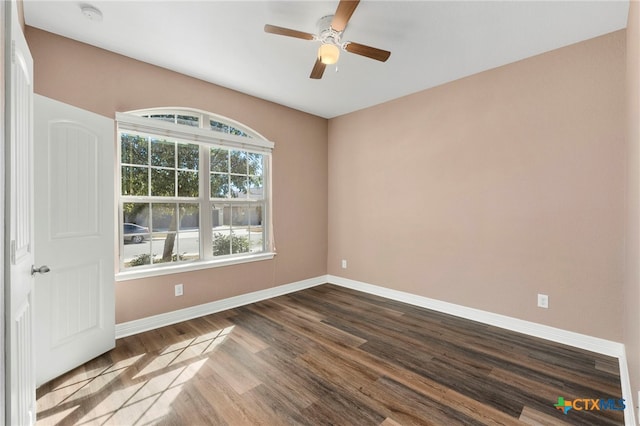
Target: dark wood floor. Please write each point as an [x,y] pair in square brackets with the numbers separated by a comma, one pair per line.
[330,355]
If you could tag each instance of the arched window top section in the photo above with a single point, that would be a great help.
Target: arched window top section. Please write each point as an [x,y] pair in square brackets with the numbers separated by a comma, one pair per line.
[206,126]
[198,118]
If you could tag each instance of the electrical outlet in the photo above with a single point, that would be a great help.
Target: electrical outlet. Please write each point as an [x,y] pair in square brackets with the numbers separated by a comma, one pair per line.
[344,263]
[543,301]
[179,290]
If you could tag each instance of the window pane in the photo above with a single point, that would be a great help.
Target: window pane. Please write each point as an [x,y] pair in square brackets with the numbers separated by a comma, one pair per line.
[219,186]
[237,132]
[225,128]
[222,242]
[188,184]
[247,229]
[256,230]
[134,149]
[163,217]
[219,219]
[240,216]
[135,234]
[256,215]
[163,153]
[189,232]
[219,160]
[135,180]
[136,213]
[239,162]
[189,120]
[167,245]
[221,229]
[189,216]
[219,127]
[238,186]
[163,183]
[239,241]
[239,237]
[227,239]
[137,260]
[164,117]
[163,227]
[255,163]
[188,156]
[255,187]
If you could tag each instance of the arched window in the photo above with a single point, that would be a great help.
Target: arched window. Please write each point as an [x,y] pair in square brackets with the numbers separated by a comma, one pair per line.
[194,191]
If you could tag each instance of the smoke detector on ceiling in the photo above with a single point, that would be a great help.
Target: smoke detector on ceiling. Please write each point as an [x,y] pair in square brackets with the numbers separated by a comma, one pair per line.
[91,12]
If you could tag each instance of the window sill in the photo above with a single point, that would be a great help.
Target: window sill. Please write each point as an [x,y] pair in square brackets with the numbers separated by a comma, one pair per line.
[187,267]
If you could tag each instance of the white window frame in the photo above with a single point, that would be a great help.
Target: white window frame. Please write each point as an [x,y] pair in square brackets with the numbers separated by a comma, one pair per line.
[134,122]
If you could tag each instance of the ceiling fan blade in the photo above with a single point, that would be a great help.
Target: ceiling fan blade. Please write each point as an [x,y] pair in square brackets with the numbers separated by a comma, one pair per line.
[343,14]
[318,70]
[368,51]
[272,29]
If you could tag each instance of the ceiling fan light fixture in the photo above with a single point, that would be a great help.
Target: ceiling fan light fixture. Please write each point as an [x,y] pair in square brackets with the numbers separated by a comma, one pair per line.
[328,54]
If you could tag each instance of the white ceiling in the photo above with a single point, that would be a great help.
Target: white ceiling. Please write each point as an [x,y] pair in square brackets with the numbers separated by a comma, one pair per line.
[431,42]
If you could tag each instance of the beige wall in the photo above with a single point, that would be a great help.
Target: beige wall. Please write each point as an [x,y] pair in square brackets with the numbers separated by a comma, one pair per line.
[104,82]
[632,282]
[482,192]
[491,189]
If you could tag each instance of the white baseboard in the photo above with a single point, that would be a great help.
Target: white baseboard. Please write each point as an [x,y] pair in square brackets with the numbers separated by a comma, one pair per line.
[594,344]
[150,323]
[582,341]
[627,394]
[558,335]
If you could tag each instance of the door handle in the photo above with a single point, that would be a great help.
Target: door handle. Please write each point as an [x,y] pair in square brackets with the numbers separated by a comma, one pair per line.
[41,270]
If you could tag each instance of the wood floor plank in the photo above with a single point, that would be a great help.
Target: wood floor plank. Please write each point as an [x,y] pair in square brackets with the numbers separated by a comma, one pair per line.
[532,417]
[230,408]
[610,366]
[234,373]
[331,355]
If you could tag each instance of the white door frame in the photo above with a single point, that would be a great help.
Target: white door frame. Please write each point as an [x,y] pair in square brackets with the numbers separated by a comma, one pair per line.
[3,36]
[19,378]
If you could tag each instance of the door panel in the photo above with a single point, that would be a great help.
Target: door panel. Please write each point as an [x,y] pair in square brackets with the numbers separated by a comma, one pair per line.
[76,296]
[73,179]
[20,378]
[75,234]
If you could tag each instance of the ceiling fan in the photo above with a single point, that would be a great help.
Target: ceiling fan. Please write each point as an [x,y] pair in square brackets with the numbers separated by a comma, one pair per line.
[329,34]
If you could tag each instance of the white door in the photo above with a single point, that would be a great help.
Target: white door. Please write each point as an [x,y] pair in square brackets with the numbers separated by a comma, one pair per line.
[20,378]
[74,234]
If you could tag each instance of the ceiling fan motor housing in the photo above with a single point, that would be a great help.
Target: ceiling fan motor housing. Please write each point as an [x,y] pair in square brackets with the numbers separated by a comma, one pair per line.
[326,34]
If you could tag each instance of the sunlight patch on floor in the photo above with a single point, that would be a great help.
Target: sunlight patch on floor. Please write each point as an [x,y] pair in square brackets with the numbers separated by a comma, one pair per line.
[152,398]
[185,351]
[83,385]
[56,417]
[154,383]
